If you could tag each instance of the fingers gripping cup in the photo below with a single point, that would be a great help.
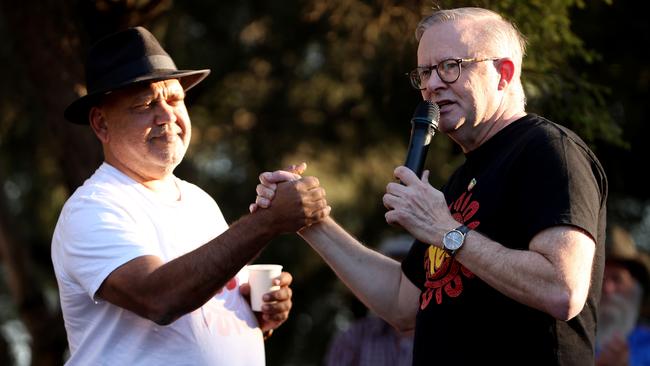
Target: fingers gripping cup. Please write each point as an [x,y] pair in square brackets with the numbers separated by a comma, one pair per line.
[260,279]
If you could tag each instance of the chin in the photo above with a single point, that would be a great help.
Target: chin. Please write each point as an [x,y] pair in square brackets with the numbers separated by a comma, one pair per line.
[167,163]
[447,125]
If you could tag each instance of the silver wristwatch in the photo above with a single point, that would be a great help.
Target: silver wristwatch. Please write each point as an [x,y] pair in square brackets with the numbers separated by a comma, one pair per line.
[454,239]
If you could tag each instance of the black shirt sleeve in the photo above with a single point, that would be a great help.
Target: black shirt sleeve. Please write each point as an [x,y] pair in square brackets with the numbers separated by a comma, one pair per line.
[565,184]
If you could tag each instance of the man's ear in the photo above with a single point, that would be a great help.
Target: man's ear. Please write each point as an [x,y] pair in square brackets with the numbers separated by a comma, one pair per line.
[506,69]
[98,123]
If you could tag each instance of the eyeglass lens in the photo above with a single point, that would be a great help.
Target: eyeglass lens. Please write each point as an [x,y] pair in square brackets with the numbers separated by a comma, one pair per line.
[448,71]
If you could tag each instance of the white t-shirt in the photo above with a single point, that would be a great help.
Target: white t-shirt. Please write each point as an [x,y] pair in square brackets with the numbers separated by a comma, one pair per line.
[111,220]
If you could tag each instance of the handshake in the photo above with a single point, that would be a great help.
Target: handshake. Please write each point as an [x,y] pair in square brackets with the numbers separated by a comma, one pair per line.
[299,202]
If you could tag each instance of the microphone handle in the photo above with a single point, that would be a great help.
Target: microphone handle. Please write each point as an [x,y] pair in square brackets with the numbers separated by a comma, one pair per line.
[422,131]
[418,146]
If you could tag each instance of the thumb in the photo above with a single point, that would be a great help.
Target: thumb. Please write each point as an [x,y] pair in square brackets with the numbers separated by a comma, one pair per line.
[297,169]
[245,289]
[425,176]
[269,179]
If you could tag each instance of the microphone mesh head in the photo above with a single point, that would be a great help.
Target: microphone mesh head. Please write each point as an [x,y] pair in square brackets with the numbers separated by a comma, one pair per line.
[429,111]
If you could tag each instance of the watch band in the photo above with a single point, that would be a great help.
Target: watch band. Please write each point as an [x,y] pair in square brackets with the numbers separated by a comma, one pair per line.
[463,229]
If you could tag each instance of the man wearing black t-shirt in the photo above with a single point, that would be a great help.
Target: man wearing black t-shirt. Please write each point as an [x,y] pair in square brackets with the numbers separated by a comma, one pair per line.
[508,265]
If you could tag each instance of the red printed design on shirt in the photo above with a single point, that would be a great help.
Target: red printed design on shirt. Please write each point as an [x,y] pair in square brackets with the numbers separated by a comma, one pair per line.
[230,285]
[444,275]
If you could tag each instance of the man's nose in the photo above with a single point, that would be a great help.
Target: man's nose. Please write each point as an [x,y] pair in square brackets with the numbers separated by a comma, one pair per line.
[433,85]
[165,113]
[609,286]
[435,81]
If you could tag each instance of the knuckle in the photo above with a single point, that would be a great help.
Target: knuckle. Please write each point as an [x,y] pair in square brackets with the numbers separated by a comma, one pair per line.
[281,295]
[311,181]
[321,204]
[298,184]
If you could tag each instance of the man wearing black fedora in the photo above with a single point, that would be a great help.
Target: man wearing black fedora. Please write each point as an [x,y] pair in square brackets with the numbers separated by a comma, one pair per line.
[149,272]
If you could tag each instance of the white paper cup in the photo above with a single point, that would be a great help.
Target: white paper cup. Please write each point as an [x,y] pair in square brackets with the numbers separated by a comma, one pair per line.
[260,279]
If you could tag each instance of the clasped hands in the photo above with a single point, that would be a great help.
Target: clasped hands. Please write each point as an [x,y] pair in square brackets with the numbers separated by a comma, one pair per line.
[414,205]
[298,202]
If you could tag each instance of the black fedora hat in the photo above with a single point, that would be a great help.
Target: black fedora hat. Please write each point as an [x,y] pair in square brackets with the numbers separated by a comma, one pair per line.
[125,58]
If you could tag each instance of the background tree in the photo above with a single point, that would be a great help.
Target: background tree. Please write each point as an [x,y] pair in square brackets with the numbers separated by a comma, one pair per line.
[302,80]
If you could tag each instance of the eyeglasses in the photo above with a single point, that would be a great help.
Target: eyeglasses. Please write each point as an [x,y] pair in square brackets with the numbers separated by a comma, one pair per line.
[448,70]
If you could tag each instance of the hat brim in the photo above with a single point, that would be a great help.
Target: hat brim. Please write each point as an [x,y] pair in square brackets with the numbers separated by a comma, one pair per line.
[77,112]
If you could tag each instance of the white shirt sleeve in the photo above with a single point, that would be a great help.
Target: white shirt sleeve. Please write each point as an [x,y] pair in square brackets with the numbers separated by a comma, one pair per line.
[99,237]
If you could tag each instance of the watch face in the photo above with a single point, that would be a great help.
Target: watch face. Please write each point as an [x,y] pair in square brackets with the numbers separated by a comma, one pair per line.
[453,240]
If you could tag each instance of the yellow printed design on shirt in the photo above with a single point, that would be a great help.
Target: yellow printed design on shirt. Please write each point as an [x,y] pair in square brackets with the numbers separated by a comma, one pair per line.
[443,273]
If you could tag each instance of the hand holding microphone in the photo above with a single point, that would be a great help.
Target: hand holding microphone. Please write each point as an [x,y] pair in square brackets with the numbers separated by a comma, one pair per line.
[423,126]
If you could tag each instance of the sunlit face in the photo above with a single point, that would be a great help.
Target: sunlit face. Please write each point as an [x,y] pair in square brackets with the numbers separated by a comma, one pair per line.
[617,279]
[470,100]
[619,305]
[146,129]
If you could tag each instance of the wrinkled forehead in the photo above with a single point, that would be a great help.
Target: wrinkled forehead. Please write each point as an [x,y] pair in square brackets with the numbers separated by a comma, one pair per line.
[146,90]
[157,88]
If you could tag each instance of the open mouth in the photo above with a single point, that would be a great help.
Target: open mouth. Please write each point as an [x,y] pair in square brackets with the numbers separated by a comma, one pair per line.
[443,104]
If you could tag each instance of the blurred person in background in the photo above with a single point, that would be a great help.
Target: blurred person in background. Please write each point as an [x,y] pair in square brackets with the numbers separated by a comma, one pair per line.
[371,341]
[622,338]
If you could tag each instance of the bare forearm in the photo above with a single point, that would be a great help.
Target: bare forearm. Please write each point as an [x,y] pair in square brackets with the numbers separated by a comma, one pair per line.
[371,276]
[554,281]
[211,266]
[164,292]
[524,276]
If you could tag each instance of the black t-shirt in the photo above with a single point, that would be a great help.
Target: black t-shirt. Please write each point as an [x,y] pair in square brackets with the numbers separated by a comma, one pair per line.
[532,175]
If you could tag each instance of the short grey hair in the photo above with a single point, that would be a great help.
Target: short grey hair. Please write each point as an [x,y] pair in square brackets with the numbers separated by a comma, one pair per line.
[497,29]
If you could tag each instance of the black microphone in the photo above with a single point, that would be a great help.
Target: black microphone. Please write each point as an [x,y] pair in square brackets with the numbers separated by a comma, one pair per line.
[423,126]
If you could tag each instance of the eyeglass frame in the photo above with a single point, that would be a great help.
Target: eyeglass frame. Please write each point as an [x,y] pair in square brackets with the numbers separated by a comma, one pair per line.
[459,61]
